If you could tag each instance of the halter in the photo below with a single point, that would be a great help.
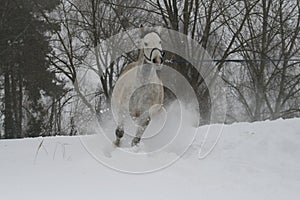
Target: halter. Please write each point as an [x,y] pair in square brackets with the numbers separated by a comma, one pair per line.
[162,53]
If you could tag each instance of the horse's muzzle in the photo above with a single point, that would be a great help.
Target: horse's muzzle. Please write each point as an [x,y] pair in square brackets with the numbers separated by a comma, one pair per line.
[158,60]
[158,55]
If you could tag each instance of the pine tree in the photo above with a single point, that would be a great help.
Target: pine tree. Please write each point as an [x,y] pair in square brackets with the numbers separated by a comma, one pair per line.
[24,47]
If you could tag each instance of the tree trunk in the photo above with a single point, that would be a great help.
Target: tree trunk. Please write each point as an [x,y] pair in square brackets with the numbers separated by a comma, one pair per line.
[20,106]
[8,120]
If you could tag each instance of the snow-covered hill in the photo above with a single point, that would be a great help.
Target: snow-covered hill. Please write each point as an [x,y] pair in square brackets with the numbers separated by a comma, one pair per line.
[251,161]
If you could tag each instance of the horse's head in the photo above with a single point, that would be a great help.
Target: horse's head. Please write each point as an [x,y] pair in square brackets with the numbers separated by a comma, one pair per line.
[152,48]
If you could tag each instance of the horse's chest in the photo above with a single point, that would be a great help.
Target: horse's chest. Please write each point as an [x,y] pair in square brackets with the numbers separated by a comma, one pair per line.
[142,89]
[145,97]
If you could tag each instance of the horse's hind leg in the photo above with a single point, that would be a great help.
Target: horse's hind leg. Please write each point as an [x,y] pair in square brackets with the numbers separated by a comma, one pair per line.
[141,127]
[119,134]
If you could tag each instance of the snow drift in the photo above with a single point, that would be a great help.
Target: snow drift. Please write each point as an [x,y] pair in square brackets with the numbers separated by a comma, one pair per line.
[251,161]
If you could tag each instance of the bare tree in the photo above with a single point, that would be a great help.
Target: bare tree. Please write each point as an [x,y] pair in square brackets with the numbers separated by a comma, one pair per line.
[268,84]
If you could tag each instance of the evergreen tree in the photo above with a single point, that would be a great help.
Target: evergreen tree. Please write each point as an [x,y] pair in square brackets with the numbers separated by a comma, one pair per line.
[24,47]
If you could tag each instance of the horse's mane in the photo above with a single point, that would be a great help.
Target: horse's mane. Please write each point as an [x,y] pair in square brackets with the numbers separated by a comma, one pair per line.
[127,68]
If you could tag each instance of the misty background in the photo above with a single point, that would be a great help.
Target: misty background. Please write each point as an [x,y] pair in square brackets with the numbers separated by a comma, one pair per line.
[45,49]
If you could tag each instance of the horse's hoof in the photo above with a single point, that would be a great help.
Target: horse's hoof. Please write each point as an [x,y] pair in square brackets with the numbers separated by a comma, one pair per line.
[119,133]
[117,143]
[135,141]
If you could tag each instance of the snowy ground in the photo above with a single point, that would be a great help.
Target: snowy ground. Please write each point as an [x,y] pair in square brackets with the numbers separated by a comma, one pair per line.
[251,161]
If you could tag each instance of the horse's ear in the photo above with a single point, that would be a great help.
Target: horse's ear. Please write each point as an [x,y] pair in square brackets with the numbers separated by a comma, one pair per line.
[142,29]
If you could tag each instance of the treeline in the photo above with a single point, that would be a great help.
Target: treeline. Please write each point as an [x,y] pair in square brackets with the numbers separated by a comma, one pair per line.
[27,84]
[45,46]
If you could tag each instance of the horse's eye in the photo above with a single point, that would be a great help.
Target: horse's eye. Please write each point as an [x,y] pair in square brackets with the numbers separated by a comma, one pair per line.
[146,44]
[159,42]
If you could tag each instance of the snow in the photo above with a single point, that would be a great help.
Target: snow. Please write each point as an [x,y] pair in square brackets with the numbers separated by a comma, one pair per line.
[250,161]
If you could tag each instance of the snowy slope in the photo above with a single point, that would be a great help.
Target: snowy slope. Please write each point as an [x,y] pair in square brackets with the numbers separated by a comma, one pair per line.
[251,161]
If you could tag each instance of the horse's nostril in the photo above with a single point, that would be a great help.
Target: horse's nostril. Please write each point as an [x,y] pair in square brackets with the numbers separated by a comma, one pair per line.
[154,60]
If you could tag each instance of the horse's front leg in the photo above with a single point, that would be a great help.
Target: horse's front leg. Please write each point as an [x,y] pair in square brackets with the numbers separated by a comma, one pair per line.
[141,127]
[119,134]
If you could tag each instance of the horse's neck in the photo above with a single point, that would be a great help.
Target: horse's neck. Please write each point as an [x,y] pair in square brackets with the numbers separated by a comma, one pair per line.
[145,72]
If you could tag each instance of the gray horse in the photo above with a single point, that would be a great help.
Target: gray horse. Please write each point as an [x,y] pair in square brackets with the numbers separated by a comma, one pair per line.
[139,90]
